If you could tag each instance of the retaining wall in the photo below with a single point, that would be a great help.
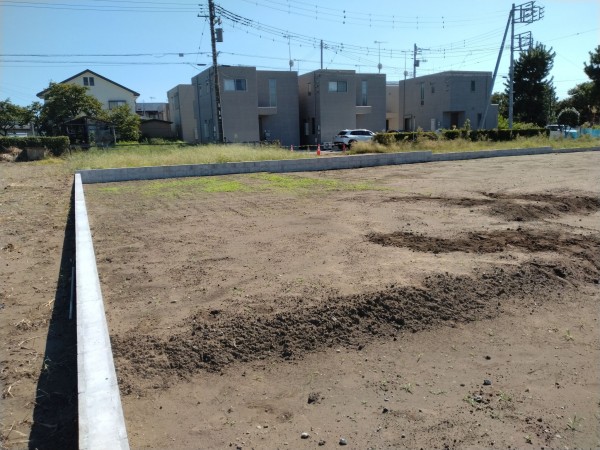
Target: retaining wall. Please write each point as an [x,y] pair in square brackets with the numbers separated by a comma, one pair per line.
[302,165]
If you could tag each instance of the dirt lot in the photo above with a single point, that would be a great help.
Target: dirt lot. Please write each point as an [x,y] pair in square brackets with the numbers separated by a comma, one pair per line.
[444,305]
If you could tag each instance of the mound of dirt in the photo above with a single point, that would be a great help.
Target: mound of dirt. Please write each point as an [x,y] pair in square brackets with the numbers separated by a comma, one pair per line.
[214,340]
[519,207]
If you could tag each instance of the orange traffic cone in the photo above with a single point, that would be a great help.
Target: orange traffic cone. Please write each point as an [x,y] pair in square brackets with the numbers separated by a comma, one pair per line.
[292,148]
[318,149]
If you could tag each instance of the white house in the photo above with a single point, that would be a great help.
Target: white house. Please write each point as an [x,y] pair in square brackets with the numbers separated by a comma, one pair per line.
[109,93]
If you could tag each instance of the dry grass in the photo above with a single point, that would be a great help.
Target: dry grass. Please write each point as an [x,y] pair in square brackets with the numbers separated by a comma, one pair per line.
[171,155]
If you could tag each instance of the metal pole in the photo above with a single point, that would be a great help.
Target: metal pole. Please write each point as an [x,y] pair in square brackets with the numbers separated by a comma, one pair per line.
[415,61]
[321,55]
[489,98]
[404,103]
[211,18]
[512,68]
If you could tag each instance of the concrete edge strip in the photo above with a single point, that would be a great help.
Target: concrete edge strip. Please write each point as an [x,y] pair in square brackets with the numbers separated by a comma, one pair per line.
[91,176]
[101,419]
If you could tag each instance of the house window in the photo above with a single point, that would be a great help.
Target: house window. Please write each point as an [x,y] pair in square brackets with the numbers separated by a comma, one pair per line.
[422,93]
[88,81]
[363,93]
[112,104]
[309,88]
[338,86]
[313,125]
[239,84]
[433,88]
[472,85]
[272,92]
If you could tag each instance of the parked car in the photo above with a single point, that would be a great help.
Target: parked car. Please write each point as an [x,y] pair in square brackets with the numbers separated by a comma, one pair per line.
[349,137]
[558,131]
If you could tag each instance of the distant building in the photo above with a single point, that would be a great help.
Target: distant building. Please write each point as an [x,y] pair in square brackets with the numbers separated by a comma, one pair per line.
[333,100]
[181,111]
[256,105]
[159,111]
[156,128]
[108,92]
[445,100]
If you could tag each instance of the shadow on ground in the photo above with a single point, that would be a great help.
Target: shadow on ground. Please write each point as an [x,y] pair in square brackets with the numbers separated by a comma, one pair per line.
[55,413]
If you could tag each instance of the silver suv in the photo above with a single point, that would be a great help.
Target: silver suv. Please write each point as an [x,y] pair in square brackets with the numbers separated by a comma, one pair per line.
[349,137]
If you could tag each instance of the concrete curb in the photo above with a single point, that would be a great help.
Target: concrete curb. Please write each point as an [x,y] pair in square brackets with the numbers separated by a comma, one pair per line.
[101,420]
[91,176]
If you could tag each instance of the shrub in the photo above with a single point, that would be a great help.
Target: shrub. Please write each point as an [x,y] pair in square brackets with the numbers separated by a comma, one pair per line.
[56,145]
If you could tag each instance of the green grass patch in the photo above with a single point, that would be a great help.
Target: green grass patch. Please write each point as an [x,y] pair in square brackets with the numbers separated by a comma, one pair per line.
[298,183]
[260,182]
[181,186]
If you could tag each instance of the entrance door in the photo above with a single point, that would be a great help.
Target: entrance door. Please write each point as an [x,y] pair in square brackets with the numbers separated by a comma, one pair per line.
[454,119]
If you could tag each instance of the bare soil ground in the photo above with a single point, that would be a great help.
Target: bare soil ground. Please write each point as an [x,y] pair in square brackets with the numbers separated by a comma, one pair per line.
[446,305]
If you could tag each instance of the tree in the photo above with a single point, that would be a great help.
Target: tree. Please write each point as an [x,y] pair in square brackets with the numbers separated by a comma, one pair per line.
[580,98]
[501,99]
[35,115]
[64,102]
[592,70]
[127,123]
[12,115]
[534,93]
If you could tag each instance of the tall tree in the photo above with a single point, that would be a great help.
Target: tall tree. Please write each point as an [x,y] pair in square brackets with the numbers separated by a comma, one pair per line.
[127,123]
[64,102]
[592,70]
[534,93]
[12,115]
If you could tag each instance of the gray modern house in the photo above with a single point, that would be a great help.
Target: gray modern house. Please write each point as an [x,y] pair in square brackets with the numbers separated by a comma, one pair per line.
[333,100]
[445,100]
[181,109]
[256,105]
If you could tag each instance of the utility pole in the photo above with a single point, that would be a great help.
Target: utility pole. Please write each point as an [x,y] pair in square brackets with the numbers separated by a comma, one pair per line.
[416,62]
[525,13]
[379,66]
[321,54]
[213,42]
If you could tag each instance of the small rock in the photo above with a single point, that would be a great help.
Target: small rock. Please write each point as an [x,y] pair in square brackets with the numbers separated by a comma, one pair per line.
[385,410]
[488,357]
[478,398]
[305,435]
[321,443]
[343,441]
[487,382]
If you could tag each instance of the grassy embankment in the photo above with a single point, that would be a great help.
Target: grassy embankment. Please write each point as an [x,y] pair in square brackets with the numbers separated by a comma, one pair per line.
[158,155]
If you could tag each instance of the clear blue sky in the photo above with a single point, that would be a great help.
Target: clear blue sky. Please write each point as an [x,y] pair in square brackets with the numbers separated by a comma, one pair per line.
[150,46]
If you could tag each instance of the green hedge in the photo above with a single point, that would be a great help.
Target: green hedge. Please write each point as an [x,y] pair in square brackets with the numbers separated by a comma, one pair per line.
[56,145]
[392,138]
[506,135]
[473,135]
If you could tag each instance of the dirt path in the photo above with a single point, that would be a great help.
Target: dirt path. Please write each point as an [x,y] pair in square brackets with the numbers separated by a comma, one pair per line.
[369,305]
